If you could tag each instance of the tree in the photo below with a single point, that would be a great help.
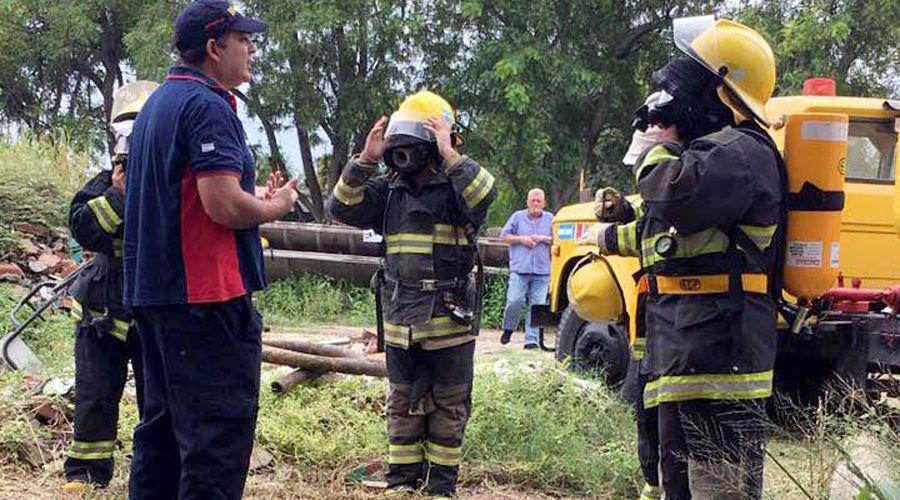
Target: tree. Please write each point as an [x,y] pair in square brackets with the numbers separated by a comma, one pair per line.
[332,68]
[63,60]
[856,42]
[548,87]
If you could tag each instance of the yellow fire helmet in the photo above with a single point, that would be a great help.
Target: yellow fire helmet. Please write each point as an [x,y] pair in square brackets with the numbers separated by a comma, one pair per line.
[129,99]
[594,291]
[415,110]
[738,53]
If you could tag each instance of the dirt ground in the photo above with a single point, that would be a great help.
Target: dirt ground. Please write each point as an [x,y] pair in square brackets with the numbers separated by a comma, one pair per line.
[284,481]
[487,344]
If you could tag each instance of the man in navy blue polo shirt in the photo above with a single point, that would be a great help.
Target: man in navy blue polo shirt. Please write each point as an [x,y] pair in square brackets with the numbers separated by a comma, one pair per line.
[192,258]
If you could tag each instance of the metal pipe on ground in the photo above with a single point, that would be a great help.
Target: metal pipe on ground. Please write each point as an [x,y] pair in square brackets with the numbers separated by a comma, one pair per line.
[293,379]
[322,364]
[339,239]
[307,347]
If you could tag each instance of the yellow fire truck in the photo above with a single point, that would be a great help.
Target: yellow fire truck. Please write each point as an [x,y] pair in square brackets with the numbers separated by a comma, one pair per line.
[852,330]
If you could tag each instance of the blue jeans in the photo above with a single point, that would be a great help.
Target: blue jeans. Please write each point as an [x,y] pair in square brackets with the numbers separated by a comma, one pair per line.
[530,289]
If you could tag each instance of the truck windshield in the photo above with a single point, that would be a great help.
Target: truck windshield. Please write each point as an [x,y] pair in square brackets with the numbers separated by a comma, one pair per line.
[871,148]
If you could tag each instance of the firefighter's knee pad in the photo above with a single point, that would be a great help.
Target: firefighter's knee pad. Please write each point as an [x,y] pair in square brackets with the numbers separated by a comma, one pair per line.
[403,426]
[452,407]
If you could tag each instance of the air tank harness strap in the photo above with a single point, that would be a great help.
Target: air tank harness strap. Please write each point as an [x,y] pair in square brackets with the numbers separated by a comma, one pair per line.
[700,284]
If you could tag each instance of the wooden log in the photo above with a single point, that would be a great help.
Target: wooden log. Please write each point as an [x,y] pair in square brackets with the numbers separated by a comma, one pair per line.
[293,379]
[322,364]
[307,347]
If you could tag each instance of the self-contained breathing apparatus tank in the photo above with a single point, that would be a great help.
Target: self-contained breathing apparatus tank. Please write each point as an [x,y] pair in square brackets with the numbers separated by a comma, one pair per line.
[815,149]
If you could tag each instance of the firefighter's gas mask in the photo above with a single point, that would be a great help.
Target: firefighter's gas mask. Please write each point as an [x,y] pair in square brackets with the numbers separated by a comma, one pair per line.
[408,155]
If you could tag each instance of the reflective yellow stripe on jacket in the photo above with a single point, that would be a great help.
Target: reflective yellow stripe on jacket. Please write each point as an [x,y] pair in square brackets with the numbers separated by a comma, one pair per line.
[436,329]
[348,195]
[672,388]
[650,492]
[410,243]
[704,242]
[655,156]
[106,216]
[627,239]
[119,329]
[423,243]
[479,188]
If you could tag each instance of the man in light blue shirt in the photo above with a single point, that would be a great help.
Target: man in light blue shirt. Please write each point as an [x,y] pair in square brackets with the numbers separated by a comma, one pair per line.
[529,233]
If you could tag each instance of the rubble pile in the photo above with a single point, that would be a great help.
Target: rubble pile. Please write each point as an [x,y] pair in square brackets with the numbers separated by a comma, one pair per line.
[41,252]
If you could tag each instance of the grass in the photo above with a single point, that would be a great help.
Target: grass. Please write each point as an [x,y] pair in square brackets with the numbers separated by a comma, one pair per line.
[534,427]
[37,181]
[314,299]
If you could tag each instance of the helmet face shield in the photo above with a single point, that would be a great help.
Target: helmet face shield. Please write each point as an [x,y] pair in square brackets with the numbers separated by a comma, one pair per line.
[687,30]
[401,125]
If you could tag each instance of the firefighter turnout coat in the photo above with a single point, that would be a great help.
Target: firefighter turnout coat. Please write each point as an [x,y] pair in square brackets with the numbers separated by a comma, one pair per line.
[429,245]
[709,318]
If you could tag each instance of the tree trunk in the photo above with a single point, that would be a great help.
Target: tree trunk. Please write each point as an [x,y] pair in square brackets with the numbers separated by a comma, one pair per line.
[293,379]
[317,206]
[256,108]
[112,50]
[308,347]
[321,364]
[339,157]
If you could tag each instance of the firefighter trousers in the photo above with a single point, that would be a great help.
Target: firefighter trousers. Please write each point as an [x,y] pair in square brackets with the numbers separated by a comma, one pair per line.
[648,445]
[201,375]
[101,370]
[718,446]
[429,403]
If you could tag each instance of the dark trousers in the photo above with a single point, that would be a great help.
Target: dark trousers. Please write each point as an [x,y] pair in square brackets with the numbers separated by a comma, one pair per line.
[429,403]
[101,370]
[648,442]
[201,367]
[712,449]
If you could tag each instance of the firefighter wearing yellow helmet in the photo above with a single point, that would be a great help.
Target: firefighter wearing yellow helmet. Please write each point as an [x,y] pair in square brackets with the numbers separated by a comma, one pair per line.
[708,237]
[428,207]
[595,294]
[105,340]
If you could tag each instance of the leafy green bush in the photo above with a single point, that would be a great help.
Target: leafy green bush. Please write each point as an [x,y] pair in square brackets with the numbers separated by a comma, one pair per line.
[38,178]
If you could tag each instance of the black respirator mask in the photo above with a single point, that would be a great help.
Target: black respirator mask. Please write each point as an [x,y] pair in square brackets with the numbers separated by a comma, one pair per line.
[688,100]
[408,156]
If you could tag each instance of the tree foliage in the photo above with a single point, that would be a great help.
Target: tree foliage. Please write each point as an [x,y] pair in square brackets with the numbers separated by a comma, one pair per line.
[855,42]
[61,62]
[545,90]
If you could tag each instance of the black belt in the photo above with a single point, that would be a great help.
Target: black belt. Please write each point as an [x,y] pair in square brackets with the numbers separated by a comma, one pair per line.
[428,285]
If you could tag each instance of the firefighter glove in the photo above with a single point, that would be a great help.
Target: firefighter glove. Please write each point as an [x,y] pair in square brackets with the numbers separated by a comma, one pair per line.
[596,235]
[610,205]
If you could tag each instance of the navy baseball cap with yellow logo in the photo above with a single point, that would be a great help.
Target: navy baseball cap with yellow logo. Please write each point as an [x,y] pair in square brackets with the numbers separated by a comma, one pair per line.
[206,19]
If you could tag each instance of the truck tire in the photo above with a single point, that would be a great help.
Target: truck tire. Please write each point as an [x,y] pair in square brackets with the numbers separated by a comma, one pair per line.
[600,348]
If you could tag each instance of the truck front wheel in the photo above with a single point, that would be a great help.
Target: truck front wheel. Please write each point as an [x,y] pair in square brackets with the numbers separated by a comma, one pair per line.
[601,348]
